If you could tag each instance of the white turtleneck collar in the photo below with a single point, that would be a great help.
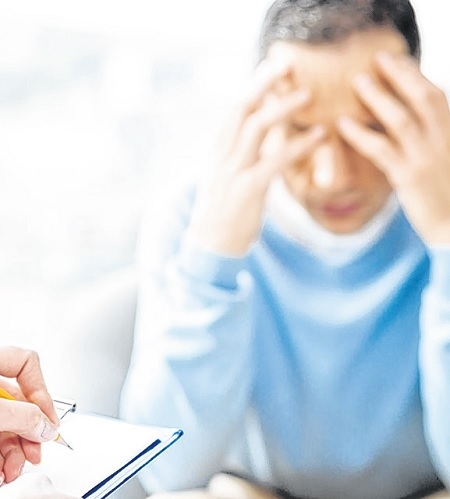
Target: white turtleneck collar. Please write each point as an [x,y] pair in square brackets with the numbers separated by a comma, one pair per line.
[294,221]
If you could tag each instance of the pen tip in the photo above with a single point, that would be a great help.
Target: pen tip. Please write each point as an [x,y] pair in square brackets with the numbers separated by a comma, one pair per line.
[60,440]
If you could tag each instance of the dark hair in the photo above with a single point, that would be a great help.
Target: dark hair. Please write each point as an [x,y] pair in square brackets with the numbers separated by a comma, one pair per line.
[327,21]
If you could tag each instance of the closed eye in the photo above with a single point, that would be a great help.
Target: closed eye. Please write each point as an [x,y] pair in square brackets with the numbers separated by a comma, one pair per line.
[299,127]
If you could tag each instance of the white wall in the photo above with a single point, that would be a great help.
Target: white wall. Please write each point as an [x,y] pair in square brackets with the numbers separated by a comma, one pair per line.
[433,17]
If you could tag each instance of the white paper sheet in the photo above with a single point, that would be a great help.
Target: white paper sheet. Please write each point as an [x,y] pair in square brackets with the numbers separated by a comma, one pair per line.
[101,447]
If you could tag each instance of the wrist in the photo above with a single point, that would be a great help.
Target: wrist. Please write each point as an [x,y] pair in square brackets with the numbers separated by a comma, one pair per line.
[202,264]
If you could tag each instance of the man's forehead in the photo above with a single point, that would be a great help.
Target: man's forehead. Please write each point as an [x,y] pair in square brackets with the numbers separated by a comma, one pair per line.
[347,57]
[329,69]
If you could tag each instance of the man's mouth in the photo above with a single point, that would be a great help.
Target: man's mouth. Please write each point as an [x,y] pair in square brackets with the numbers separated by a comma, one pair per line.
[339,209]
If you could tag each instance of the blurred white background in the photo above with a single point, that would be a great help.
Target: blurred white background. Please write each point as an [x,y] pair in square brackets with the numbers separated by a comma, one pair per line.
[101,104]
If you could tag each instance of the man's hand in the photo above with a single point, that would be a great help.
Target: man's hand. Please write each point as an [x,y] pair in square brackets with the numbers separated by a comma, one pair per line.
[413,150]
[28,420]
[228,210]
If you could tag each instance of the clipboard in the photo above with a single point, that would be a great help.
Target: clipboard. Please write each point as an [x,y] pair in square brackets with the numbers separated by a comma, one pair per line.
[107,452]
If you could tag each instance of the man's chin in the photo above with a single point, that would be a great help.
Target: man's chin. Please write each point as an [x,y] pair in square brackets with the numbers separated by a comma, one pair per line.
[342,226]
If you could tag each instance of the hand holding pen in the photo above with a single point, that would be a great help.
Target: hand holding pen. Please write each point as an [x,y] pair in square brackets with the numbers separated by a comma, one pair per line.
[27,413]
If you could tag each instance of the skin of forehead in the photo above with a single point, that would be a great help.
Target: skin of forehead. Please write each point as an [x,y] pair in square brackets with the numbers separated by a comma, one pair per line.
[328,70]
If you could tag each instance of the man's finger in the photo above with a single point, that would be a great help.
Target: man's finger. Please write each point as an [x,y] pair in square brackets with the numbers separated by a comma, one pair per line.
[24,365]
[292,151]
[399,122]
[371,145]
[261,122]
[266,76]
[427,102]
[13,455]
[12,389]
[26,420]
[32,451]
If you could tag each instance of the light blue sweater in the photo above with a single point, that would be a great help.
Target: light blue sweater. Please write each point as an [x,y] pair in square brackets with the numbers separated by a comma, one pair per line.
[326,381]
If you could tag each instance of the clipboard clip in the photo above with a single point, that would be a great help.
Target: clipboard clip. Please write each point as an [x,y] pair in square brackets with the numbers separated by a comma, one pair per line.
[64,406]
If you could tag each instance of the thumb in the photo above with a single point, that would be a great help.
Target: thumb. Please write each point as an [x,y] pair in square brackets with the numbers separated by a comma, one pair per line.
[26,420]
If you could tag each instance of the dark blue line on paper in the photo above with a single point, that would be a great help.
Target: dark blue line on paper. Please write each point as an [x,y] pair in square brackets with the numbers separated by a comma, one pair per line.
[88,494]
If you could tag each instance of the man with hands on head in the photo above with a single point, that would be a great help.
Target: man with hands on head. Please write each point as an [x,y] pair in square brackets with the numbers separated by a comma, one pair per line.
[295,306]
[24,424]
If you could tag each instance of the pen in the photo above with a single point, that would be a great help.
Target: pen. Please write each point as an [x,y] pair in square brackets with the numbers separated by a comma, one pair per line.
[59,439]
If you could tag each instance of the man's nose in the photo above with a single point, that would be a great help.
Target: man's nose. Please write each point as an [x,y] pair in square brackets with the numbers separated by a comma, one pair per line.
[331,167]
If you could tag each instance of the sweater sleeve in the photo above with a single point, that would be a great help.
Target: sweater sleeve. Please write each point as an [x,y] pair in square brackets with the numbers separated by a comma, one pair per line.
[190,365]
[434,358]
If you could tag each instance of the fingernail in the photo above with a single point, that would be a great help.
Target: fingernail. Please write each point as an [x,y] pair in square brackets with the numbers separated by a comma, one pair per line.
[2,478]
[20,470]
[49,431]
